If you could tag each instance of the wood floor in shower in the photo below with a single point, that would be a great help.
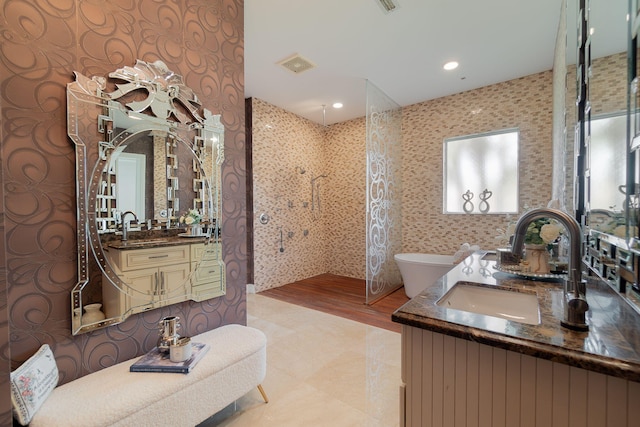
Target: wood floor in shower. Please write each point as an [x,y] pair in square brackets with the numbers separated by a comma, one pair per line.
[341,296]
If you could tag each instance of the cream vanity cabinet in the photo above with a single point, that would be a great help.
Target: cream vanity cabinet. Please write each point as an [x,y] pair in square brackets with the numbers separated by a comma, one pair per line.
[207,280]
[155,276]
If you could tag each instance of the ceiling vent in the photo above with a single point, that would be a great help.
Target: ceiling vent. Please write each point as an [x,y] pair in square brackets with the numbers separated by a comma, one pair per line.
[388,5]
[297,64]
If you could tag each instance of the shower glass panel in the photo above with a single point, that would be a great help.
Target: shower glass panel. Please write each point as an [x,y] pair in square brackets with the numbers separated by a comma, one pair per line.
[384,193]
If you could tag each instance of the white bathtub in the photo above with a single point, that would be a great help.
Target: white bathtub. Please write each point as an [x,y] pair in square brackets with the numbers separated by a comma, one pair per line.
[422,270]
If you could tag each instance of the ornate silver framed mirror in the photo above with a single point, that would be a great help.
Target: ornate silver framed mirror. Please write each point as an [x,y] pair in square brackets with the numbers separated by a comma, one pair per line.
[148,194]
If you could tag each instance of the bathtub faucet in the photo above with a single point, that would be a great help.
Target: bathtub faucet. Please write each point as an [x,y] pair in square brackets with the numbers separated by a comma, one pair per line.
[574,297]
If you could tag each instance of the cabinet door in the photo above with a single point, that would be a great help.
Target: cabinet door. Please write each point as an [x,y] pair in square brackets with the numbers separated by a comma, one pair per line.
[173,282]
[143,289]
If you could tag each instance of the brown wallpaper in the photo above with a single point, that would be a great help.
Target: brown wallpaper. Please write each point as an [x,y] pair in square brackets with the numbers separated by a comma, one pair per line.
[42,44]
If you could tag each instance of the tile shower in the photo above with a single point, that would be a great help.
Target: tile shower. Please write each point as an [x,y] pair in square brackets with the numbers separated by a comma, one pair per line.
[335,242]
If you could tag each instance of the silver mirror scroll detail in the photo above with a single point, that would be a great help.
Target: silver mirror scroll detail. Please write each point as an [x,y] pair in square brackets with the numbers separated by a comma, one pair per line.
[145,112]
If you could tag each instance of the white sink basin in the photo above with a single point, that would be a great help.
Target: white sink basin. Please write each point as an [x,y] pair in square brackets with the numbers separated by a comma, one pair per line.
[481,299]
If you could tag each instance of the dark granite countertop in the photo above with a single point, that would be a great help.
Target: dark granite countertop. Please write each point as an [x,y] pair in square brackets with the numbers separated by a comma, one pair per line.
[156,242]
[611,346]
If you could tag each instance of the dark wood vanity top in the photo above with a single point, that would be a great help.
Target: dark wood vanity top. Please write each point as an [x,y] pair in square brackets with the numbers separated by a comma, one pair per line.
[155,242]
[611,346]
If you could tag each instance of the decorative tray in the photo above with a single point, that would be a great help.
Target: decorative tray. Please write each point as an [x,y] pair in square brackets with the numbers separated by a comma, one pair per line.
[516,271]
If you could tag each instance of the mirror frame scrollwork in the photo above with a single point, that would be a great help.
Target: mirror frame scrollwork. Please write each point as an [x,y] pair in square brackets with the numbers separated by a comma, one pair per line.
[155,100]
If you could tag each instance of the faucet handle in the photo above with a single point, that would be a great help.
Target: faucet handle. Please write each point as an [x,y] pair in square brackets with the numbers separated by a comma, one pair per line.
[575,313]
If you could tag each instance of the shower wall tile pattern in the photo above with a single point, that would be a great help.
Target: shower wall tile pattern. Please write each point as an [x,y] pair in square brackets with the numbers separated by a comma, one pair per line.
[524,103]
[346,228]
[607,94]
[284,146]
[336,243]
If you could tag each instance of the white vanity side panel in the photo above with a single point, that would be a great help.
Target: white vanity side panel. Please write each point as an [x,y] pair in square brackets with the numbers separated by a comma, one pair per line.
[597,400]
[485,385]
[449,383]
[465,384]
[414,390]
[437,389]
[473,381]
[544,399]
[528,391]
[427,375]
[499,395]
[513,378]
[617,402]
[560,392]
[633,412]
[577,397]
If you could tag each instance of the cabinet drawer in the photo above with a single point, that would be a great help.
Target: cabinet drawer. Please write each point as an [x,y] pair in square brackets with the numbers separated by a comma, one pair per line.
[207,273]
[153,257]
[198,250]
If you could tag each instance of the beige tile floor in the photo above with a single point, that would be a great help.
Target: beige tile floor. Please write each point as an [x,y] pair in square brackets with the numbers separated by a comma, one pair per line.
[322,370]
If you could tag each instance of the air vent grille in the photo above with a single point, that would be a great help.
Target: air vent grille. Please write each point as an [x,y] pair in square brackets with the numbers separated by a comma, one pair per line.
[297,64]
[388,5]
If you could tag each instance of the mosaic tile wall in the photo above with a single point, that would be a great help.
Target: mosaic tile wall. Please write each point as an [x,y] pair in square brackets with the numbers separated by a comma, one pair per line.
[346,230]
[608,89]
[288,151]
[336,242]
[524,103]
[607,94]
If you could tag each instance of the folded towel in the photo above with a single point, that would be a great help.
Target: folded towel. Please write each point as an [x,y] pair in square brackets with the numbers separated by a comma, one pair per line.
[465,250]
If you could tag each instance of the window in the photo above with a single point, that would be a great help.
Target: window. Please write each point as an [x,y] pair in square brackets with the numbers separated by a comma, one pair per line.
[481,173]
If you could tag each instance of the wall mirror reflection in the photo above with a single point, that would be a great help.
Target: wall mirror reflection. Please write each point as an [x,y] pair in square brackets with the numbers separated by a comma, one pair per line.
[606,116]
[608,147]
[148,194]
[481,173]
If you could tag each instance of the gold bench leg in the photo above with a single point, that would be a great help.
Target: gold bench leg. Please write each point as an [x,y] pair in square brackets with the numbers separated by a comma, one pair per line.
[264,395]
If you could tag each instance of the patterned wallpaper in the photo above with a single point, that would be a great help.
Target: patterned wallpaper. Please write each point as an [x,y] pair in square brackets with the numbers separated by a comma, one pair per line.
[336,244]
[42,44]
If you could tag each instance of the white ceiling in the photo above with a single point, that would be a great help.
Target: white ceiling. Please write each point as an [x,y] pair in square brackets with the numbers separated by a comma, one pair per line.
[401,52]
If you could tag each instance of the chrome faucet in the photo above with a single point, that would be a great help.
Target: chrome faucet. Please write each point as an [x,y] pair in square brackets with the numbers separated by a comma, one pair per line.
[574,298]
[124,223]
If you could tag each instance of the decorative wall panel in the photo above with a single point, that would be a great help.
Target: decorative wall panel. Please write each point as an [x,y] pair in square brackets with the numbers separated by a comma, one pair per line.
[203,41]
[384,193]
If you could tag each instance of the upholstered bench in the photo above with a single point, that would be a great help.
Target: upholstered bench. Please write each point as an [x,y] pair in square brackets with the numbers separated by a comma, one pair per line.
[234,365]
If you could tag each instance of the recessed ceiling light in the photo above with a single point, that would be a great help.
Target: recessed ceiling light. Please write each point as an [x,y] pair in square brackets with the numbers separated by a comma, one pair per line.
[450,65]
[337,105]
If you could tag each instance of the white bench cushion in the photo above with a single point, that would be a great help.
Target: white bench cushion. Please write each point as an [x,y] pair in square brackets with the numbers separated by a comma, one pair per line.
[235,363]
